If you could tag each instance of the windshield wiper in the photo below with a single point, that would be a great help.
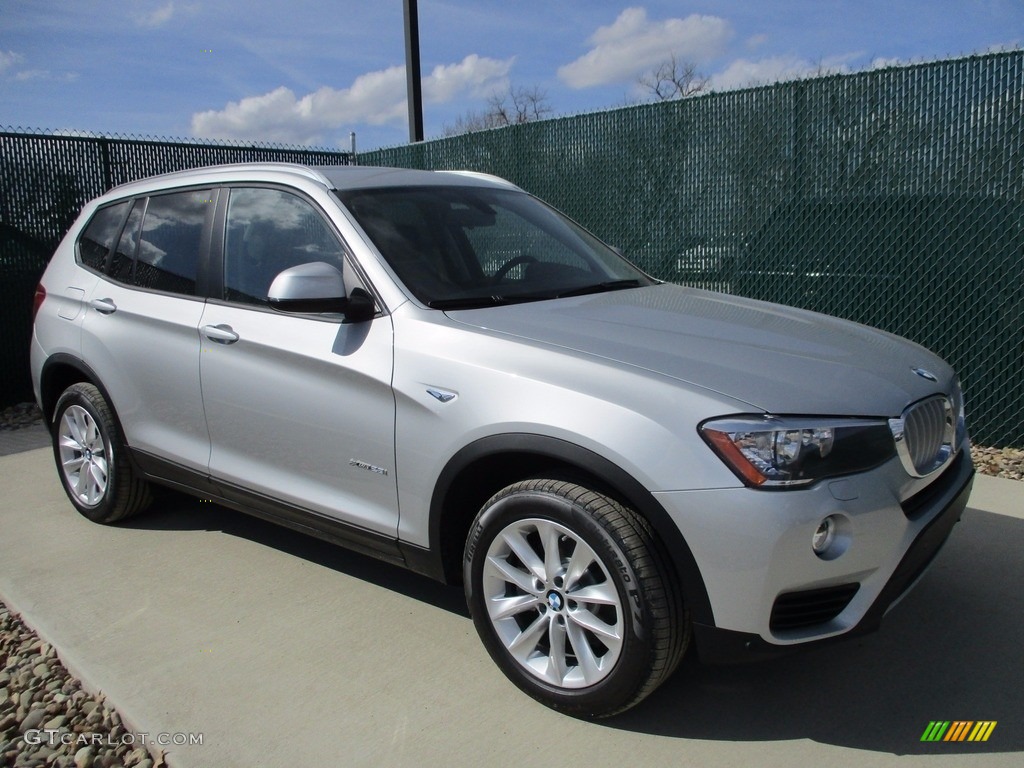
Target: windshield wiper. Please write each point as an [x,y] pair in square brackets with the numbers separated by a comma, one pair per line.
[478,302]
[610,285]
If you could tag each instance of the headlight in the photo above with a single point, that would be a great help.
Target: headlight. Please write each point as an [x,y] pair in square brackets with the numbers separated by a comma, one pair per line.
[782,452]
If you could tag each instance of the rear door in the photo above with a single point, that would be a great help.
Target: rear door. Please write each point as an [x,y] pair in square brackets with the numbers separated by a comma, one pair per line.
[140,329]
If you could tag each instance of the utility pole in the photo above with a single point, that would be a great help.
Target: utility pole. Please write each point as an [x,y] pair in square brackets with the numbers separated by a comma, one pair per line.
[413,82]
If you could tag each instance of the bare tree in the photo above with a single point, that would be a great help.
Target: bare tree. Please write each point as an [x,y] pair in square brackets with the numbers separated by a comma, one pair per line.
[673,79]
[513,106]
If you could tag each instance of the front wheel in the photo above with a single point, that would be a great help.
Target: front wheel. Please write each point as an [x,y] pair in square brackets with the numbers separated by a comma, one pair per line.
[91,458]
[571,598]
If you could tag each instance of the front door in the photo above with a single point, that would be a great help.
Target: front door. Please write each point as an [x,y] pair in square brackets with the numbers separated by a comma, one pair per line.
[300,408]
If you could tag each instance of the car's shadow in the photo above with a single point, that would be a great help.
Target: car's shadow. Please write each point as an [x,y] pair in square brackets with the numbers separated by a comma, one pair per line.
[178,512]
[953,649]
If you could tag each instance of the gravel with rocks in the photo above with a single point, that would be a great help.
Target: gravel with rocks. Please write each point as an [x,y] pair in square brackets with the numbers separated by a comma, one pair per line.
[999,462]
[19,416]
[48,720]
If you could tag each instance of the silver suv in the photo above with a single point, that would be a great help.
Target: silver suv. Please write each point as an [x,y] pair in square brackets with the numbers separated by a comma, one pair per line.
[438,369]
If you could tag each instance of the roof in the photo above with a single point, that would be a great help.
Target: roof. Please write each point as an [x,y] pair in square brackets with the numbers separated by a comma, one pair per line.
[339,177]
[366,177]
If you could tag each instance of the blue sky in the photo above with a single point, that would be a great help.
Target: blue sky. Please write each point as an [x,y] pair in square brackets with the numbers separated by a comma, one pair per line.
[311,71]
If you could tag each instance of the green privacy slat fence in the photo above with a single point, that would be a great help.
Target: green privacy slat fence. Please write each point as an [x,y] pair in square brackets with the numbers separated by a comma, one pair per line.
[894,198]
[45,180]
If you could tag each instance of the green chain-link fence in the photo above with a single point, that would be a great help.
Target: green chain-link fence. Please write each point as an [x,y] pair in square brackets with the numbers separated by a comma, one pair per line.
[894,198]
[44,182]
[891,197]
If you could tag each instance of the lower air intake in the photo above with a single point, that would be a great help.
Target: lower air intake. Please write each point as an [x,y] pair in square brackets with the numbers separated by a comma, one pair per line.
[797,610]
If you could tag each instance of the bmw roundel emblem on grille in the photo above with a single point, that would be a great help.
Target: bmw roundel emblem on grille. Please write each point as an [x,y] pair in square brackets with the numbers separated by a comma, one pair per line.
[924,374]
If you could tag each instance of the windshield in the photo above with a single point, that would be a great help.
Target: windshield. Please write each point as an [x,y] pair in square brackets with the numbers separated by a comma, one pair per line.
[457,247]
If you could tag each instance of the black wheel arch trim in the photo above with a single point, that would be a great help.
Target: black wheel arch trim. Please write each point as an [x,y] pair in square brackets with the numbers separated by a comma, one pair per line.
[611,478]
[87,374]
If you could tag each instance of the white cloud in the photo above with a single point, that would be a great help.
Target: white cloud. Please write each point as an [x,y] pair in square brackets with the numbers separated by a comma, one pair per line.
[479,76]
[884,62]
[9,59]
[33,74]
[843,62]
[375,98]
[756,41]
[154,17]
[633,44]
[9,65]
[744,73]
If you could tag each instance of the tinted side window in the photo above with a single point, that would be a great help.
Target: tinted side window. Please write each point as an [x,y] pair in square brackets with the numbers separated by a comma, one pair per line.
[98,238]
[268,231]
[168,256]
[123,262]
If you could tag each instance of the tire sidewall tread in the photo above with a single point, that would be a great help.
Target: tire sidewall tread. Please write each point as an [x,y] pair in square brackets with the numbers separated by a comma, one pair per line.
[126,494]
[657,626]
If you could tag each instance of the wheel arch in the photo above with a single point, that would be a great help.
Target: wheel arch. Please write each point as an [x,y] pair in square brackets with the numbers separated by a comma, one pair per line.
[487,465]
[59,372]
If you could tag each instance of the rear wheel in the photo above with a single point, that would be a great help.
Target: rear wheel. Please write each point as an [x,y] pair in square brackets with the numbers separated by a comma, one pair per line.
[571,598]
[91,460]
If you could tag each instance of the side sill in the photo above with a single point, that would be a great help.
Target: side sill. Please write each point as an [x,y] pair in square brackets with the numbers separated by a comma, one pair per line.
[371,543]
[422,560]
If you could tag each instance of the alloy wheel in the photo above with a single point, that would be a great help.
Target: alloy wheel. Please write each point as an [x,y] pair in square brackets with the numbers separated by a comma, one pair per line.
[84,455]
[553,603]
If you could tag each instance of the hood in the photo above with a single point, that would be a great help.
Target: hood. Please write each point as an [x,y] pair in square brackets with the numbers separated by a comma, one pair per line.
[778,359]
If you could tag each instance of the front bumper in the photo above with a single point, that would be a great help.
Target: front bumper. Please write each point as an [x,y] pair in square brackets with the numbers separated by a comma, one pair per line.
[891,545]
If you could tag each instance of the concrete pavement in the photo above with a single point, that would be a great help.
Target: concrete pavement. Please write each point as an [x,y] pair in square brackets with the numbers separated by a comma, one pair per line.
[281,650]
[25,439]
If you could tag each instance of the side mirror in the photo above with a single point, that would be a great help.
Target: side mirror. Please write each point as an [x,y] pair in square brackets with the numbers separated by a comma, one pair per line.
[319,287]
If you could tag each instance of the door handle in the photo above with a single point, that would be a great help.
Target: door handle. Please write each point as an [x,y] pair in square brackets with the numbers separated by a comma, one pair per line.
[104,306]
[222,334]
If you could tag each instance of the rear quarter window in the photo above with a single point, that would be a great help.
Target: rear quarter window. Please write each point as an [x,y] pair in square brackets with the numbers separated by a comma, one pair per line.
[99,236]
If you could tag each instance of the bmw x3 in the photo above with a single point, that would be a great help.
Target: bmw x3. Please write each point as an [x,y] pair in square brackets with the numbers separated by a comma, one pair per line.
[439,370]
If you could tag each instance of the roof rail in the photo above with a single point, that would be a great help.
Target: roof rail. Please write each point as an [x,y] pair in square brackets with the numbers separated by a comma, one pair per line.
[296,168]
[483,177]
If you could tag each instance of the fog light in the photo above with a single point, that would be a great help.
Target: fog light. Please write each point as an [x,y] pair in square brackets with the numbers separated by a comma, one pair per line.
[824,536]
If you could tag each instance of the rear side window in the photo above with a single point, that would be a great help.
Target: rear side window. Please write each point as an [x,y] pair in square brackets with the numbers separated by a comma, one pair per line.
[168,252]
[98,238]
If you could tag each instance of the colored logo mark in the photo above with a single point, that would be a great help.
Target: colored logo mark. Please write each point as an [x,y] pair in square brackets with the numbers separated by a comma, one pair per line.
[959,730]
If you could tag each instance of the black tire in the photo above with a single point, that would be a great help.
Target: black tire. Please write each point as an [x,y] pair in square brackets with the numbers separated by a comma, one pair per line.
[91,458]
[590,642]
